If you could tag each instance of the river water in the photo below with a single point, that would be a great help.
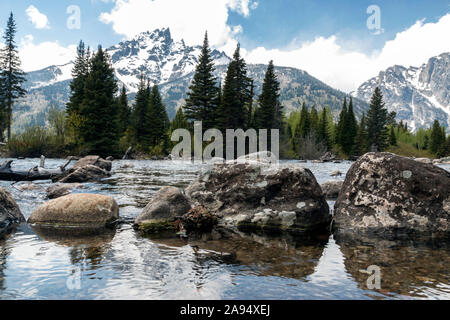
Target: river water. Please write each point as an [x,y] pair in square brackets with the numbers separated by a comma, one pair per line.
[121,264]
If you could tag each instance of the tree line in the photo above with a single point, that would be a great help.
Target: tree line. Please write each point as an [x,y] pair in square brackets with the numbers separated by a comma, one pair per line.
[100,120]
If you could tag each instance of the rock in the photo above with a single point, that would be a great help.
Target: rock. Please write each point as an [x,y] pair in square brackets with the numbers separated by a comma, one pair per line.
[81,210]
[387,194]
[437,161]
[199,219]
[110,159]
[61,190]
[94,161]
[10,214]
[336,173]
[127,166]
[331,189]
[328,157]
[29,187]
[446,159]
[262,197]
[424,160]
[168,204]
[266,157]
[317,161]
[87,173]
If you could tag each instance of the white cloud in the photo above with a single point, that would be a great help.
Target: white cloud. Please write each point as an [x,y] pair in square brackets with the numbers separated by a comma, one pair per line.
[48,53]
[39,20]
[187,19]
[325,59]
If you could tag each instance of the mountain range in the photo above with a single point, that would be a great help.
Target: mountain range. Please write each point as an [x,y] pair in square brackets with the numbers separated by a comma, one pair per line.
[418,95]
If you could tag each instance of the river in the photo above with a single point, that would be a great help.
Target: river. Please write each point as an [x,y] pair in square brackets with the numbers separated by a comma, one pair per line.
[121,264]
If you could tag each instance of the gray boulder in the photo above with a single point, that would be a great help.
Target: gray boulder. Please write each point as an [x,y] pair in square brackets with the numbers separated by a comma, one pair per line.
[10,214]
[249,195]
[167,205]
[331,189]
[391,195]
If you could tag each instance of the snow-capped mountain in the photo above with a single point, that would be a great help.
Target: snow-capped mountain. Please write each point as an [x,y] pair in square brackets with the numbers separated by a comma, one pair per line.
[419,95]
[171,65]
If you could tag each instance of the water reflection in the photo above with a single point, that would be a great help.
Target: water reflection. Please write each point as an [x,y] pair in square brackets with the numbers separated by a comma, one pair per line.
[408,268]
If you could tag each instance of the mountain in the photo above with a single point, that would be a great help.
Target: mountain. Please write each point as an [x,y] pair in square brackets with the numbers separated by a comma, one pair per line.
[171,65]
[419,95]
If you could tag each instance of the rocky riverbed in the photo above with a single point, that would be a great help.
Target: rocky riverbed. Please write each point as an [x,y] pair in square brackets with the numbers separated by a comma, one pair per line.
[122,263]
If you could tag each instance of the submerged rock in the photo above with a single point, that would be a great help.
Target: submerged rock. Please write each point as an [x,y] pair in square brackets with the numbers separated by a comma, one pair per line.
[61,190]
[262,196]
[168,204]
[81,210]
[10,214]
[331,189]
[387,194]
[87,173]
[93,161]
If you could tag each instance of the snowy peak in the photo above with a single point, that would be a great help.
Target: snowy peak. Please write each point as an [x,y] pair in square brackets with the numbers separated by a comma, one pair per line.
[158,57]
[419,95]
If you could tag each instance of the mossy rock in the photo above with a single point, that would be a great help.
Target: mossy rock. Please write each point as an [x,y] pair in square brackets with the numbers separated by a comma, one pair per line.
[156,227]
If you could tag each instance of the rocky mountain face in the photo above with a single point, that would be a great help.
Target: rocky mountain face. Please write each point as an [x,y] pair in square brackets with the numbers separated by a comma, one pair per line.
[419,95]
[171,65]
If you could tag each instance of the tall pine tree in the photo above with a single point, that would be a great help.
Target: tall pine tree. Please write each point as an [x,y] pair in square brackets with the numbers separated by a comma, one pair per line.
[124,111]
[437,137]
[11,75]
[159,120]
[341,125]
[99,108]
[377,118]
[140,118]
[349,130]
[361,138]
[201,102]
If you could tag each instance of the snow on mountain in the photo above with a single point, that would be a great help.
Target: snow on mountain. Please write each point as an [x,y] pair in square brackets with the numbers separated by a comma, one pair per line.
[419,95]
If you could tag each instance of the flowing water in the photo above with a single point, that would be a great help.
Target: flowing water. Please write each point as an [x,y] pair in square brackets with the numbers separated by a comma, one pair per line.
[121,264]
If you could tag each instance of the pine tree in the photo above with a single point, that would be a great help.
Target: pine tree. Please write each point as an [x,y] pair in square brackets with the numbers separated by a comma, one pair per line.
[159,121]
[341,125]
[361,138]
[11,75]
[437,139]
[392,137]
[349,130]
[201,102]
[140,121]
[179,122]
[99,108]
[377,122]
[269,101]
[444,150]
[314,116]
[124,111]
[80,72]
[236,95]
[323,132]
[304,126]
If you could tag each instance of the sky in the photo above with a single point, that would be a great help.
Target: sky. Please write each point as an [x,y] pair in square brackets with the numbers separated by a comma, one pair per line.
[341,42]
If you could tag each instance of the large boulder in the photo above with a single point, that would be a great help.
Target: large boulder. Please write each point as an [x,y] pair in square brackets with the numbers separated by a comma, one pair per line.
[10,214]
[94,161]
[80,210]
[168,204]
[331,189]
[391,195]
[87,173]
[249,195]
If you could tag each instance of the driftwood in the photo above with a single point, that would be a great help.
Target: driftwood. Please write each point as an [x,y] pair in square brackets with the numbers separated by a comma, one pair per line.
[36,173]
[125,157]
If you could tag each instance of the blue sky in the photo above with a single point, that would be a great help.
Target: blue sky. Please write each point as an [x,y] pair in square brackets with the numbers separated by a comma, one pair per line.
[284,30]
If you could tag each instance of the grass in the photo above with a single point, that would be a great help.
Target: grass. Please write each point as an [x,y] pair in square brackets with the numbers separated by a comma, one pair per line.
[407,150]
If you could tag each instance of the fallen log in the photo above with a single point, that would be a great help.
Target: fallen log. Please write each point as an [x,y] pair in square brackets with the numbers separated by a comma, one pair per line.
[36,173]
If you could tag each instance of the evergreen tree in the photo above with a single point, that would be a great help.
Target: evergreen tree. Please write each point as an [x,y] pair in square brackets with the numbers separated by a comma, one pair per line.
[99,107]
[437,138]
[269,101]
[124,111]
[314,116]
[159,121]
[323,132]
[179,122]
[392,137]
[236,95]
[201,102]
[349,130]
[361,138]
[377,122]
[444,150]
[341,125]
[303,128]
[11,75]
[140,118]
